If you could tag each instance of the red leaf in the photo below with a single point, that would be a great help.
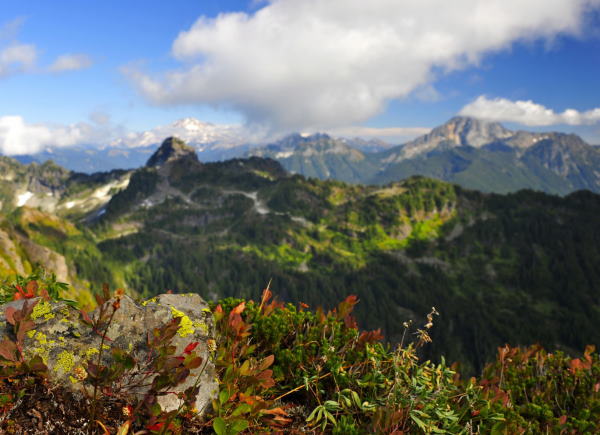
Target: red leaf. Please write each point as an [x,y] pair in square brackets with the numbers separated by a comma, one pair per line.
[239,309]
[8,350]
[155,426]
[9,313]
[194,363]
[575,365]
[32,287]
[350,322]
[345,307]
[370,337]
[190,347]
[266,378]
[275,411]
[266,362]
[85,317]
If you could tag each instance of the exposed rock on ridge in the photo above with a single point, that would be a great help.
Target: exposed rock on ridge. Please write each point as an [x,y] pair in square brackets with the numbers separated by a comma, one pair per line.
[171,149]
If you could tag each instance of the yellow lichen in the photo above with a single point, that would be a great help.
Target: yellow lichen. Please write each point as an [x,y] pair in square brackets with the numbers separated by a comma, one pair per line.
[64,361]
[42,309]
[90,352]
[186,326]
[31,333]
[41,338]
[149,301]
[201,325]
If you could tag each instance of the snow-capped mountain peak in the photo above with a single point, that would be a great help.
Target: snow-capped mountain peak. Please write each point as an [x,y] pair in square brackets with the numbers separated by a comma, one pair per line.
[193,131]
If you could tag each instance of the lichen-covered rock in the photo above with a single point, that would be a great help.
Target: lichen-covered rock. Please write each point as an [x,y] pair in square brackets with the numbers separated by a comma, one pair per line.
[66,343]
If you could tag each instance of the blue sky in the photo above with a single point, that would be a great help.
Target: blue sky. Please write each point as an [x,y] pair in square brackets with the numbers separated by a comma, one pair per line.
[304,65]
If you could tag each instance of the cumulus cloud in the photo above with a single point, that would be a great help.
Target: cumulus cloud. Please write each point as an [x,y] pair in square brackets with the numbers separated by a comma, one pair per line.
[304,64]
[70,62]
[526,112]
[20,137]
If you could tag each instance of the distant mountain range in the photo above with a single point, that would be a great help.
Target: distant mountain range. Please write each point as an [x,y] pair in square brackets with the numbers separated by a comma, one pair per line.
[473,153]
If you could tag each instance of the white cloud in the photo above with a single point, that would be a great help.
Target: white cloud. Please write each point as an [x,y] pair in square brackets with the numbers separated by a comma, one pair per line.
[526,112]
[19,137]
[317,64]
[16,58]
[70,62]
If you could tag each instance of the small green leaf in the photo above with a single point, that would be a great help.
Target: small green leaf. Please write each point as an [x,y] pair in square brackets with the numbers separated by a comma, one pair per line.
[242,409]
[223,396]
[238,426]
[313,413]
[332,404]
[419,422]
[219,426]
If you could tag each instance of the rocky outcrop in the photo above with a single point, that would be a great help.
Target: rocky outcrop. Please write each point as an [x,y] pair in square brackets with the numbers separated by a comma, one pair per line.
[172,149]
[39,254]
[66,344]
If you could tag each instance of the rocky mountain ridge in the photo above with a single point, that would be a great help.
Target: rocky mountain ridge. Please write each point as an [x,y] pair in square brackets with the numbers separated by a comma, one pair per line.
[474,153]
[471,152]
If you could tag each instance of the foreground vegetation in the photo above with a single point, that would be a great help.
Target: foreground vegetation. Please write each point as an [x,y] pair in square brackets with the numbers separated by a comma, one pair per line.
[288,367]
